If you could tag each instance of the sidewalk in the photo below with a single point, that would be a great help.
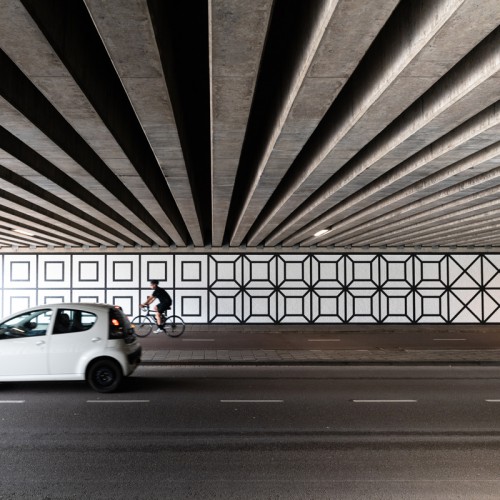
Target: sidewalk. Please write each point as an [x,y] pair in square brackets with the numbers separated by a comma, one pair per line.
[314,356]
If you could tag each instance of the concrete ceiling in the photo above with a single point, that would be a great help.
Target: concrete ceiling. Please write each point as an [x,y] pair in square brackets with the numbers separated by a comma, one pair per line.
[250,124]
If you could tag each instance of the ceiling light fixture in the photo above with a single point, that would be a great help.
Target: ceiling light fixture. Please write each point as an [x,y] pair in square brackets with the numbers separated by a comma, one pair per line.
[321,232]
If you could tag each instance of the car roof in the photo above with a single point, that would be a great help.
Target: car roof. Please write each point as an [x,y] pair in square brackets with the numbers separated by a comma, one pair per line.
[63,305]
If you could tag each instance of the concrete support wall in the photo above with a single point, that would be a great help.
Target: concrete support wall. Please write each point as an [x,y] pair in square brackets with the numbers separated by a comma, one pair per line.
[267,288]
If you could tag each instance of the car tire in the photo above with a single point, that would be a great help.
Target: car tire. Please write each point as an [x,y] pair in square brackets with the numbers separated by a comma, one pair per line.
[104,375]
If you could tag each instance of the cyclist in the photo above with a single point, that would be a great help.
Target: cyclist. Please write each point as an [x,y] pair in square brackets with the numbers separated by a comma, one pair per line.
[165,301]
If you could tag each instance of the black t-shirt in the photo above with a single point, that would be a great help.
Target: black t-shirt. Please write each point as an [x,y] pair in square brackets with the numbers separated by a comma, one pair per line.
[162,295]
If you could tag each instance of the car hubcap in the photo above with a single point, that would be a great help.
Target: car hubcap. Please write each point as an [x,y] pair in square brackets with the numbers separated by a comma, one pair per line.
[104,376]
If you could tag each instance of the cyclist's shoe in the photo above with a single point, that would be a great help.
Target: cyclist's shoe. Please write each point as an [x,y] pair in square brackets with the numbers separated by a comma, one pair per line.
[159,330]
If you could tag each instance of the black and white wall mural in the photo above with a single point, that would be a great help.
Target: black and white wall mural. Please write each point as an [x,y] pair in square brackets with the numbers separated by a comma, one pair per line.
[267,288]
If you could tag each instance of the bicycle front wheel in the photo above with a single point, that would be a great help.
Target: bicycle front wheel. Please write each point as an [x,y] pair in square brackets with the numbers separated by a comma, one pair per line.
[174,326]
[143,325]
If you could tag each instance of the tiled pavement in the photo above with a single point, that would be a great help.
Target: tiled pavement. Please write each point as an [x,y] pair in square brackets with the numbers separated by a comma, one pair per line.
[296,356]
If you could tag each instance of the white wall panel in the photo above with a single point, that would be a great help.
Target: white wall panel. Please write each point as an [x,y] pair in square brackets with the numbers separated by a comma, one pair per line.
[89,271]
[268,288]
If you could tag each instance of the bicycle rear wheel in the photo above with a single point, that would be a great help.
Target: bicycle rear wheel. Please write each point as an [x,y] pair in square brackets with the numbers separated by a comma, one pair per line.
[174,326]
[143,325]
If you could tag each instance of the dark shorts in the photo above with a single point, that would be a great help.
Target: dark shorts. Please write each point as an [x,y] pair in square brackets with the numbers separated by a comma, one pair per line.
[162,307]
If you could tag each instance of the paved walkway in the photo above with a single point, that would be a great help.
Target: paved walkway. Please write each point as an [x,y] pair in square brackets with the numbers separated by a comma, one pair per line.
[313,356]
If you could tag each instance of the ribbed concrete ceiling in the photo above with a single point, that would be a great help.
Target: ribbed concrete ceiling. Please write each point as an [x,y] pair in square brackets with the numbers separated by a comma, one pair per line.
[241,124]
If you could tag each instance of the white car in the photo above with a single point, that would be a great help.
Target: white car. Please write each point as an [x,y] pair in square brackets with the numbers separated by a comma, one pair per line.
[93,342]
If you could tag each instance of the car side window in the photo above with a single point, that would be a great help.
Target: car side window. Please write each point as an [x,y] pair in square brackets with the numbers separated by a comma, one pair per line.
[73,320]
[32,324]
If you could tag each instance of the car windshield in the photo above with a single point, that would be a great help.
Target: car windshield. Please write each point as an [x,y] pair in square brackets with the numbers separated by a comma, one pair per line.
[29,324]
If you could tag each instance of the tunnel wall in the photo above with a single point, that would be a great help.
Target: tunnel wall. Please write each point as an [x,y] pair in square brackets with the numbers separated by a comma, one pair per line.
[267,288]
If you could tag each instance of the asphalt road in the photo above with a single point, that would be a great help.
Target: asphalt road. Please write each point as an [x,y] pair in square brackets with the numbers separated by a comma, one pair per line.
[337,337]
[257,433]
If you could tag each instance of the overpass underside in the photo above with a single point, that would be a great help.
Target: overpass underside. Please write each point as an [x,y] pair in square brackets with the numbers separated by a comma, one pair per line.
[273,161]
[300,125]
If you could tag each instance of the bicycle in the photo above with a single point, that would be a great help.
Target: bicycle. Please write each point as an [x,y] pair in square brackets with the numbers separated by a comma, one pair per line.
[173,326]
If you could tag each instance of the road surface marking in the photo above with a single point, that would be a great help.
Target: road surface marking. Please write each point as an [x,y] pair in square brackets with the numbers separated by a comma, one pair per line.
[118,401]
[448,339]
[252,401]
[384,400]
[492,400]
[198,340]
[12,401]
[323,340]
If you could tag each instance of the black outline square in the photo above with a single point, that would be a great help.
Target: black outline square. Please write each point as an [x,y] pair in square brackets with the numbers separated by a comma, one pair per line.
[357,283]
[14,297]
[419,298]
[228,263]
[267,264]
[335,298]
[392,263]
[115,299]
[86,280]
[430,283]
[334,264]
[58,297]
[150,277]
[191,280]
[408,304]
[46,263]
[184,314]
[121,262]
[225,297]
[299,264]
[285,305]
[12,271]
[260,315]
[357,264]
[87,297]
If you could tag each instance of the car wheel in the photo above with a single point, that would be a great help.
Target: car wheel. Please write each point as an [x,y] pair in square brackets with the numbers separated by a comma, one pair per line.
[105,375]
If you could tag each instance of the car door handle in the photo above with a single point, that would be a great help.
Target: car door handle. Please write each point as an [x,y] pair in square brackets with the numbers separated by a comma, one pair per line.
[96,339]
[40,342]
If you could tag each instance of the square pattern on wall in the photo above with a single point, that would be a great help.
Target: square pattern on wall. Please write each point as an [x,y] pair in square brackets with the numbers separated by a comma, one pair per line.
[267,288]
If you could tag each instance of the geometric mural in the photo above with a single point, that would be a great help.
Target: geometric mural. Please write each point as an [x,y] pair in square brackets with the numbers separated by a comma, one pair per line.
[267,288]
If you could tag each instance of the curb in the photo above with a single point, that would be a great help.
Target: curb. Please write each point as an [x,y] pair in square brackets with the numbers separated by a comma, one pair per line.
[202,362]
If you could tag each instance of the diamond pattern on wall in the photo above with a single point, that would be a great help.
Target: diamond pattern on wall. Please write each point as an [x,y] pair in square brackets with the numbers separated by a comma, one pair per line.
[294,271]
[431,306]
[396,305]
[226,306]
[327,271]
[260,306]
[294,306]
[362,306]
[362,271]
[226,271]
[259,271]
[328,306]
